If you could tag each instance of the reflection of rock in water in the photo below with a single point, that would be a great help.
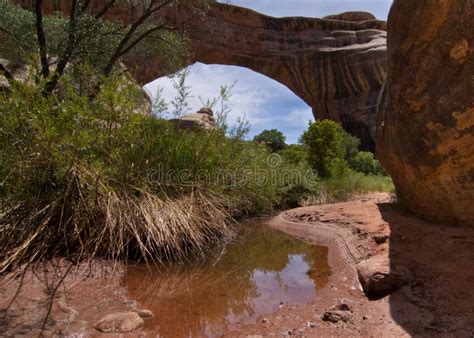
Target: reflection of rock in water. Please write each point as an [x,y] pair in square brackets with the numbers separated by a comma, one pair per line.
[247,278]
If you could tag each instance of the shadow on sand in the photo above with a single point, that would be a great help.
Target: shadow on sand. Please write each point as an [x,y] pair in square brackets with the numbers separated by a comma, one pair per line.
[439,261]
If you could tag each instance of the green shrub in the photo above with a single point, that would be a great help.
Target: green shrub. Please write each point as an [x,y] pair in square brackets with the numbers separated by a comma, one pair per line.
[295,154]
[366,163]
[274,139]
[351,145]
[326,150]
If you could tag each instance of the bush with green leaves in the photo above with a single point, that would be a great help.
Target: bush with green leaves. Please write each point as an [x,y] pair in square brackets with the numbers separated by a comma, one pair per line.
[273,139]
[366,163]
[295,154]
[326,150]
[83,177]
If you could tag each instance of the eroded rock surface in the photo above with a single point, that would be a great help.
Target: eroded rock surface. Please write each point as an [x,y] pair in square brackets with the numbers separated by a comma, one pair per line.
[337,64]
[426,121]
[203,119]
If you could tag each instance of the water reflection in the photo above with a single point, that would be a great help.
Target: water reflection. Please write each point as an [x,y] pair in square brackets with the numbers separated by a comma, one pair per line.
[249,277]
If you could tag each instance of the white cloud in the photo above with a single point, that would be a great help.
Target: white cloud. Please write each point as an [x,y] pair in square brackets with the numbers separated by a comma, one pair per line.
[264,102]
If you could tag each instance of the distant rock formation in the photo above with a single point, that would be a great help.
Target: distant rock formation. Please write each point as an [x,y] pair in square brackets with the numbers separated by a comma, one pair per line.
[426,122]
[202,119]
[337,64]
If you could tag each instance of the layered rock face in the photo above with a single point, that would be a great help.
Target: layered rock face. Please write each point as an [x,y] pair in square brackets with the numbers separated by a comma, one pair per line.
[426,122]
[337,64]
[202,119]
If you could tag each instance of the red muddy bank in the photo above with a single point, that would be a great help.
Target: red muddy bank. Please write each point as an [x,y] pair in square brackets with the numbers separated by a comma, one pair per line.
[418,276]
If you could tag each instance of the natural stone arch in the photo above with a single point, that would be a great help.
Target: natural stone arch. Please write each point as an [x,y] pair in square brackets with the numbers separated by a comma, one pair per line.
[337,64]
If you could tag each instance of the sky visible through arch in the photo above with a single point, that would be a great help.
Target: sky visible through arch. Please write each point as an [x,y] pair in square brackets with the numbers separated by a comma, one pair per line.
[265,103]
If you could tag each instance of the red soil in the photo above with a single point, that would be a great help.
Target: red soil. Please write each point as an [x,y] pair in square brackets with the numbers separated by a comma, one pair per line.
[438,299]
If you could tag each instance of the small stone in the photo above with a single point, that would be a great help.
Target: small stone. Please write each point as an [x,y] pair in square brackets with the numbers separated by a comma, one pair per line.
[264,320]
[365,317]
[311,324]
[335,316]
[145,313]
[119,323]
[340,312]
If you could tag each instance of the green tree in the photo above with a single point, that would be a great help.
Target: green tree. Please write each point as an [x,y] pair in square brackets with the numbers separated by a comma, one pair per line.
[351,145]
[274,139]
[295,154]
[62,41]
[366,163]
[325,142]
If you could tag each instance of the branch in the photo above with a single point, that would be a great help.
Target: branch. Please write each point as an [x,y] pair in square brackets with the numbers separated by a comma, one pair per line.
[64,59]
[41,38]
[85,6]
[105,9]
[120,51]
[139,39]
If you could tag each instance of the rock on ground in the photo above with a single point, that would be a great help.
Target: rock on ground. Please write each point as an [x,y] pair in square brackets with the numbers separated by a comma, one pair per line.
[378,279]
[202,119]
[119,323]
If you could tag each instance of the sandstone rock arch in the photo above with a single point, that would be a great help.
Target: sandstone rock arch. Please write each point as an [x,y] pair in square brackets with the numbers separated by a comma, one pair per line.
[337,64]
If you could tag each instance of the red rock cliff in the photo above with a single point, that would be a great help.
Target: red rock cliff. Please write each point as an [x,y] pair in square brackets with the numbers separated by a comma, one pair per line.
[426,120]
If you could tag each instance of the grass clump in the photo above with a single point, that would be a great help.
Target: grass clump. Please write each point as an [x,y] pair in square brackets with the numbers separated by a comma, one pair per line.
[81,178]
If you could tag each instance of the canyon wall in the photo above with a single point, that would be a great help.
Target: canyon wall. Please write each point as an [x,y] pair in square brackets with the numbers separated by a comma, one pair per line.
[337,65]
[426,121]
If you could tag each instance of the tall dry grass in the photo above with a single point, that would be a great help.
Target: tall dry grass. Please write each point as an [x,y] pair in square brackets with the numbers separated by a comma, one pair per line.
[88,221]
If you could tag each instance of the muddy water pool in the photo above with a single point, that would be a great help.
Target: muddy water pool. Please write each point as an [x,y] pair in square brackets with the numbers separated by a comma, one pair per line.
[253,275]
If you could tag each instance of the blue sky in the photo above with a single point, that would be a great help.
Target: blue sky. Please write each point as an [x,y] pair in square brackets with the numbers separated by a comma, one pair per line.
[265,103]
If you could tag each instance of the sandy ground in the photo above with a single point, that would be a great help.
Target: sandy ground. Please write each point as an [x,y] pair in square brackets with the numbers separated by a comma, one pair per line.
[436,263]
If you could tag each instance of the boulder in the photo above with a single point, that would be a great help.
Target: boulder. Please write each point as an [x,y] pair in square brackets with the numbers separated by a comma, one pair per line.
[378,279]
[119,323]
[425,137]
[202,119]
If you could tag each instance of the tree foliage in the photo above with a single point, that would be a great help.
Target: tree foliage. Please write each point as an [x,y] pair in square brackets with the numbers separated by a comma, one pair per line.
[325,143]
[63,41]
[366,163]
[273,138]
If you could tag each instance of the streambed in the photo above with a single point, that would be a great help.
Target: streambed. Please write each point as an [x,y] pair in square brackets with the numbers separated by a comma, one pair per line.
[256,273]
